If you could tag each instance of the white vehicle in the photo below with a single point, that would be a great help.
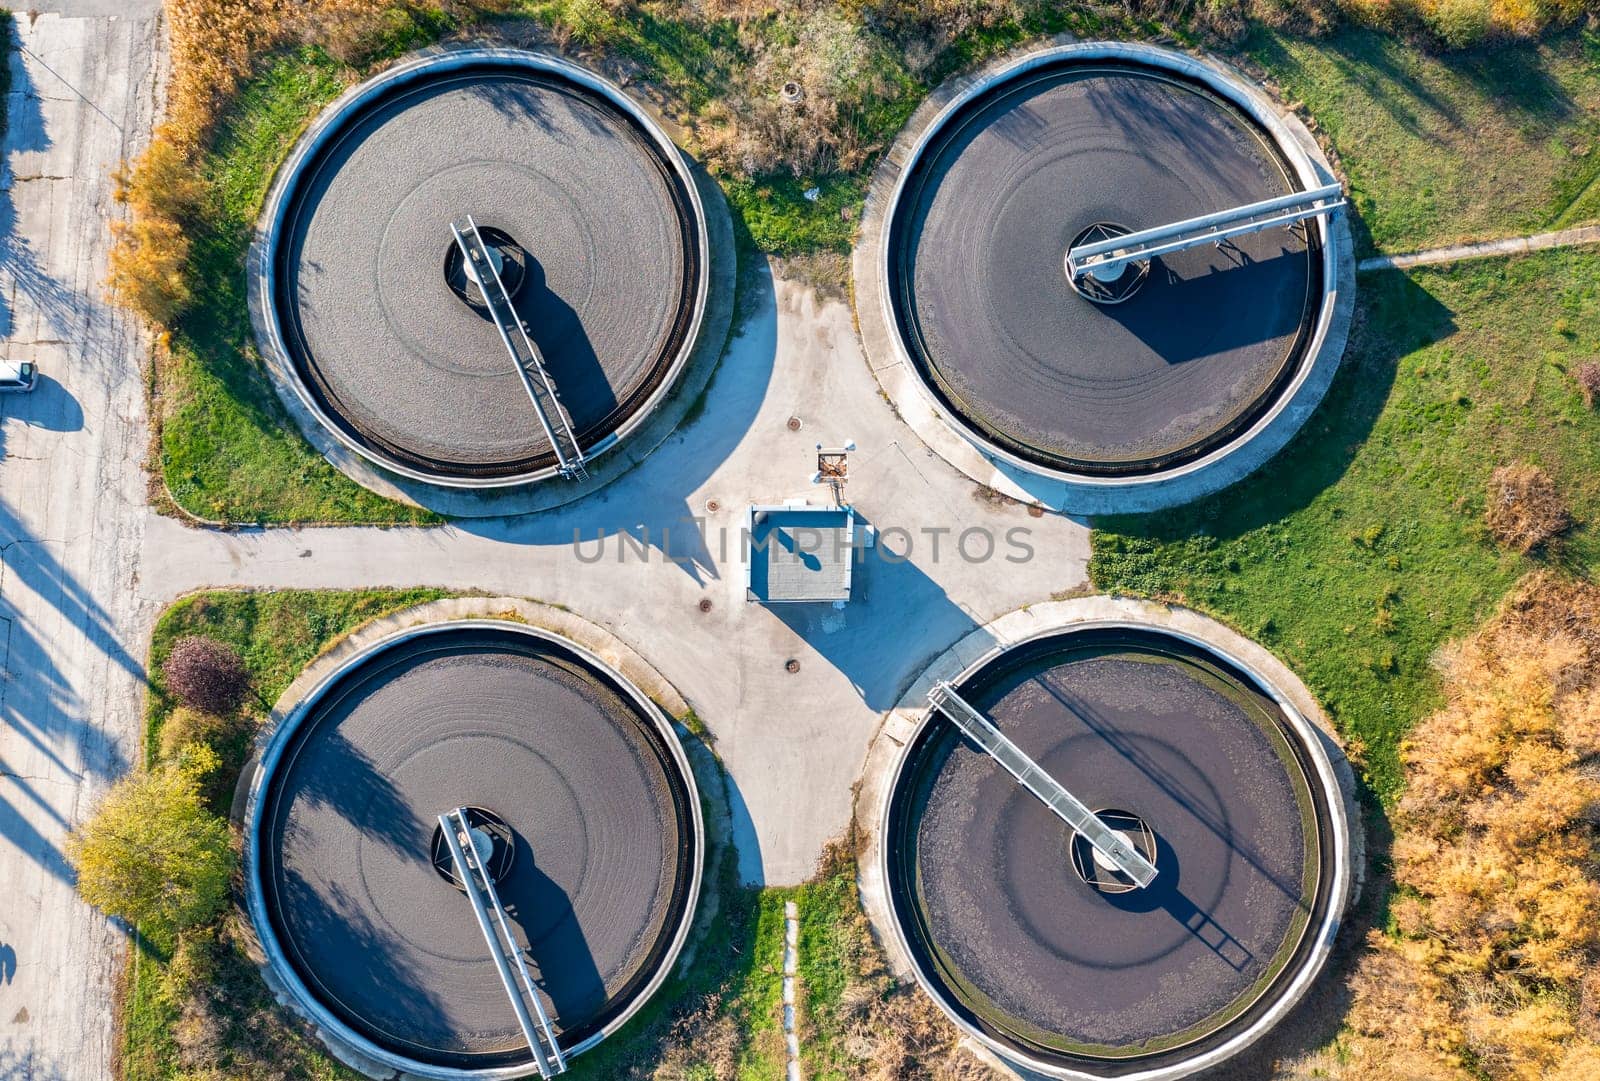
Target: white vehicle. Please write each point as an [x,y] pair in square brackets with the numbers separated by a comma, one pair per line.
[17,377]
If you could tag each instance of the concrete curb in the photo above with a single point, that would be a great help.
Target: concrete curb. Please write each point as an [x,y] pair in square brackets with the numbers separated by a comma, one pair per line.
[656,419]
[1487,249]
[595,645]
[1072,494]
[901,724]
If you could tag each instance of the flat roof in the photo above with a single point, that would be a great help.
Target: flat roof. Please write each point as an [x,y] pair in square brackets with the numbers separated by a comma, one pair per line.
[799,554]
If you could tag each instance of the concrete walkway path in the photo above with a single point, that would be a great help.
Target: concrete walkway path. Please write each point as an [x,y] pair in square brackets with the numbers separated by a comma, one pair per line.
[632,559]
[73,625]
[86,566]
[1518,245]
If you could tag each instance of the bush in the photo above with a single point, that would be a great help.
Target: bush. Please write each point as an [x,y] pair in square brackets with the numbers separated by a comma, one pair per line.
[147,267]
[185,727]
[152,854]
[1588,377]
[1525,511]
[206,675]
[1461,24]
[1497,906]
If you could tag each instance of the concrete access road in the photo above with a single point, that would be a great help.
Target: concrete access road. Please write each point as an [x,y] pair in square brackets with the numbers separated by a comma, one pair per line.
[73,624]
[87,565]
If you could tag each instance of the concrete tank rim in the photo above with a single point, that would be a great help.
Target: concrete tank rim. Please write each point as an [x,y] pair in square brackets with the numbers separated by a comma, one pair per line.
[335,666]
[261,279]
[1226,464]
[888,755]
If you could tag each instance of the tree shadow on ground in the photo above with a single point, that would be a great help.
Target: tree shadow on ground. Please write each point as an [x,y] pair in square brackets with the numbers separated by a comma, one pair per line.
[1514,75]
[41,703]
[1395,316]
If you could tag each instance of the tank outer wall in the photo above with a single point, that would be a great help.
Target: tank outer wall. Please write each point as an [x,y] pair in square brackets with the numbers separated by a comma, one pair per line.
[345,1043]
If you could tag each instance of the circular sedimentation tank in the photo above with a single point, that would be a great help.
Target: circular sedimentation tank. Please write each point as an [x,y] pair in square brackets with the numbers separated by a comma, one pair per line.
[1134,377]
[1034,943]
[578,795]
[590,215]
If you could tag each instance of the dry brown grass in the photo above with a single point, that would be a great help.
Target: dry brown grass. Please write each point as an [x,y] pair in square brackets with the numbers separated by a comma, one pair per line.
[1525,512]
[796,108]
[214,45]
[1497,904]
[873,1028]
[705,1040]
[1588,378]
[228,1026]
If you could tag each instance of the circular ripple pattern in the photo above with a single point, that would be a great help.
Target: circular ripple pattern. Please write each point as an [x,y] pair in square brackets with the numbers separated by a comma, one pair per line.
[981,873]
[497,719]
[994,327]
[393,357]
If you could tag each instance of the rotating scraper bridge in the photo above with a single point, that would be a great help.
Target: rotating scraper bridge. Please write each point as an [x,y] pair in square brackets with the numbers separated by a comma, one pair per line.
[475,849]
[482,269]
[1190,896]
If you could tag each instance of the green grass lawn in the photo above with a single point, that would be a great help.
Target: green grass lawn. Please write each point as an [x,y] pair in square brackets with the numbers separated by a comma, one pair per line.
[229,451]
[1439,148]
[732,986]
[1360,549]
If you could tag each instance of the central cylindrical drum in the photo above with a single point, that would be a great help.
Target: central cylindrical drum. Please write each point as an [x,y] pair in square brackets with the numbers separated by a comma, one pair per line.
[579,801]
[1036,942]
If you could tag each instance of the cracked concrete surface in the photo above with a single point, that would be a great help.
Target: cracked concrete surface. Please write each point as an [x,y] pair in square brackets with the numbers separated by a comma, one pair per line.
[71,514]
[87,565]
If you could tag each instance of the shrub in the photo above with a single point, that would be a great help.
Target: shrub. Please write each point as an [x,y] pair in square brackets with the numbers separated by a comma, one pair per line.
[1496,851]
[159,182]
[185,727]
[206,675]
[1525,511]
[147,267]
[152,854]
[1461,24]
[1588,377]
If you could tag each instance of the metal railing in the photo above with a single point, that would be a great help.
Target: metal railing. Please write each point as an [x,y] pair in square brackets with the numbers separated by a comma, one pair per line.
[1106,841]
[552,415]
[1106,258]
[503,949]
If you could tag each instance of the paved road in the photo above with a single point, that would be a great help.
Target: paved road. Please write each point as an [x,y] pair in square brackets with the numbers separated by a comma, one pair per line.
[793,743]
[87,565]
[72,625]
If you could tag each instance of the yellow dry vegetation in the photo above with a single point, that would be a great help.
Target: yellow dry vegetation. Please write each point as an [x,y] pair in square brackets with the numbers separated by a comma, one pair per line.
[1489,968]
[1524,511]
[214,45]
[1463,23]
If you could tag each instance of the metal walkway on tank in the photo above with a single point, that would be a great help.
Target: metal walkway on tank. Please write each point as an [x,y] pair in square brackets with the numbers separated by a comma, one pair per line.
[1108,842]
[541,388]
[503,950]
[1106,258]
